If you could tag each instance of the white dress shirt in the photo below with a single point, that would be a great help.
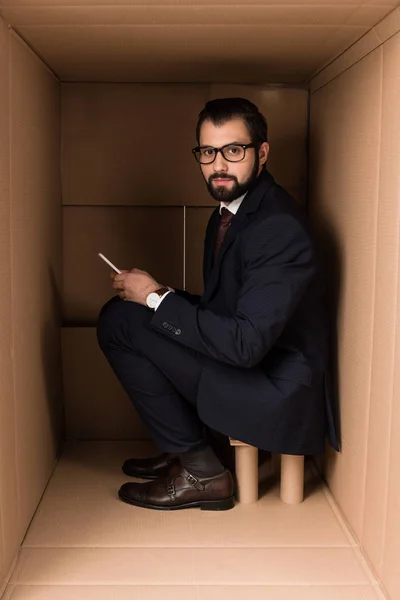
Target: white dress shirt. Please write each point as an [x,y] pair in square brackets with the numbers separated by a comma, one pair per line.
[232,206]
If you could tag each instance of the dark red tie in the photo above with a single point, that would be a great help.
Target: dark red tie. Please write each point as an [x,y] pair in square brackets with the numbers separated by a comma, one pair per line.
[224,222]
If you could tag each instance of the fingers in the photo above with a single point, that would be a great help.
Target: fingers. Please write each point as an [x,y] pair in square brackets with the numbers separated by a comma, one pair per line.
[113,274]
[119,277]
[118,283]
[135,270]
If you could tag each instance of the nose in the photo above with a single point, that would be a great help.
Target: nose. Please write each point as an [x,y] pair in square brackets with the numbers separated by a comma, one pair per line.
[220,163]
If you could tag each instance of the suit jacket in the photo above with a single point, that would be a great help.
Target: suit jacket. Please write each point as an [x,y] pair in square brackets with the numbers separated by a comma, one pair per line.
[260,328]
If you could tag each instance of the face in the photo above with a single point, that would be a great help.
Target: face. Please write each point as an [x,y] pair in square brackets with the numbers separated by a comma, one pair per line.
[227,180]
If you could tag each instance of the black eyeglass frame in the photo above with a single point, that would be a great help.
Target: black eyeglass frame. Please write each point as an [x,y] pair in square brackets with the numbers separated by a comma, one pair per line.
[221,149]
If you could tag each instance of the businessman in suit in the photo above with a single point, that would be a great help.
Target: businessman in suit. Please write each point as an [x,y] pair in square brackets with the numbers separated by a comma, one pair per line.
[249,357]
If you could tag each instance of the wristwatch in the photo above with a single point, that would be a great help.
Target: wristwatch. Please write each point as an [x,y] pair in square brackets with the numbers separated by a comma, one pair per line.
[154,298]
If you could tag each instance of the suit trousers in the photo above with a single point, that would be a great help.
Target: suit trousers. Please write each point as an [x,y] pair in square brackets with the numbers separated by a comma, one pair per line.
[160,376]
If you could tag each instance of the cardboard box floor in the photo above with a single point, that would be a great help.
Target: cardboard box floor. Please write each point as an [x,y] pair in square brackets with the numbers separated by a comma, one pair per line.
[84,543]
[88,98]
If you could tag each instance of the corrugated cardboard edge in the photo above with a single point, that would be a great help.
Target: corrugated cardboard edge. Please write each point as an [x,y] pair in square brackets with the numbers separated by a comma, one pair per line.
[351,536]
[5,583]
[374,38]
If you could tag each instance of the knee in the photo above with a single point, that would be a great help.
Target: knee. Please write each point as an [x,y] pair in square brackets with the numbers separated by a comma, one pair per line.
[119,322]
[109,320]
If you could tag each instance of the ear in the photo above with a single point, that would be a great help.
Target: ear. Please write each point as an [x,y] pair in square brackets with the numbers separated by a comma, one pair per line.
[263,152]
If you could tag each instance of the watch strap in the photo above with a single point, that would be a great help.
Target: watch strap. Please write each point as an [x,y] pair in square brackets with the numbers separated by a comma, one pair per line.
[161,291]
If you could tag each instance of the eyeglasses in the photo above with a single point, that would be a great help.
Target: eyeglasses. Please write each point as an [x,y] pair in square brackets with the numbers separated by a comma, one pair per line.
[231,152]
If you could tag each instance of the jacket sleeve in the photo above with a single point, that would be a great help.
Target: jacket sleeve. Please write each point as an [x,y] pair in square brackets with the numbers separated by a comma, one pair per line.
[278,266]
[192,298]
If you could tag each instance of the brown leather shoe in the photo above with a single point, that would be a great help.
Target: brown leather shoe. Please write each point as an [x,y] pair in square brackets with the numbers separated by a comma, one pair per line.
[179,489]
[149,468]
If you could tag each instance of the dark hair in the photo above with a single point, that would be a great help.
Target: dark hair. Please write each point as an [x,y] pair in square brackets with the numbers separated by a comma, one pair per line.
[221,110]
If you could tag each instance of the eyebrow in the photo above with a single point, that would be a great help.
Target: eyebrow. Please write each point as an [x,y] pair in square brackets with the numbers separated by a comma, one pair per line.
[228,144]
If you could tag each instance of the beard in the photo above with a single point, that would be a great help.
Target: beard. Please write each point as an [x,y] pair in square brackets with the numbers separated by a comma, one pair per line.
[222,193]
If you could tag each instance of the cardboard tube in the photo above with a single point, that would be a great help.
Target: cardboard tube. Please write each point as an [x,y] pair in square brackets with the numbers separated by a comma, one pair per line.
[292,479]
[247,473]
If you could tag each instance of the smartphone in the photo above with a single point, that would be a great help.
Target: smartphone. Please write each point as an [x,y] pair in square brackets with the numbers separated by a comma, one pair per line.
[109,262]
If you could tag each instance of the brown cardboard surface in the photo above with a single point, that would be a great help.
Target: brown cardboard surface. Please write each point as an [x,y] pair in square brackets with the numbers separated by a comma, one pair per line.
[131,144]
[368,43]
[345,138]
[389,568]
[185,566]
[101,153]
[84,543]
[364,477]
[167,13]
[193,592]
[9,530]
[108,542]
[89,466]
[147,238]
[387,27]
[36,272]
[96,405]
[355,182]
[121,41]
[281,593]
[52,3]
[215,53]
[386,497]
[109,592]
[385,306]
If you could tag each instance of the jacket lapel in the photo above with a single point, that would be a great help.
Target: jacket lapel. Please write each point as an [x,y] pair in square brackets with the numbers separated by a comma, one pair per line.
[242,218]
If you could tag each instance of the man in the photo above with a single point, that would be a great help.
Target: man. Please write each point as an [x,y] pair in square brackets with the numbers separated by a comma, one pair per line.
[249,357]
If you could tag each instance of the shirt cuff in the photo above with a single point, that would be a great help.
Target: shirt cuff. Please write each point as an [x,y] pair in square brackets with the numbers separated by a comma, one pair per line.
[162,298]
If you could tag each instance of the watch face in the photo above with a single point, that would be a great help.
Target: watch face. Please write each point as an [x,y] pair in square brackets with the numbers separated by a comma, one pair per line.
[152,300]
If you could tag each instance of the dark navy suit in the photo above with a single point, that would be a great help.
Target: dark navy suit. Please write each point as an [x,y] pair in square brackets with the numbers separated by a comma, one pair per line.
[257,339]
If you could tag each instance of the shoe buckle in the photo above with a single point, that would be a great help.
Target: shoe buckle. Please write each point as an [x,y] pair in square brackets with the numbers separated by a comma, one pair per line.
[171,489]
[194,482]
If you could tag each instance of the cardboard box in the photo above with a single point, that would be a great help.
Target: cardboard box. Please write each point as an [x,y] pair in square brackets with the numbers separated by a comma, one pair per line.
[92,95]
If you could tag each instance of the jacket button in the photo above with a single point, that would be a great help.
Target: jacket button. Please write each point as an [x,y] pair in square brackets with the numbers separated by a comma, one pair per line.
[165,324]
[178,332]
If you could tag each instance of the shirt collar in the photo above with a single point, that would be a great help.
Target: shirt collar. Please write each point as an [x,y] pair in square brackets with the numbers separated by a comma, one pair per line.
[233,206]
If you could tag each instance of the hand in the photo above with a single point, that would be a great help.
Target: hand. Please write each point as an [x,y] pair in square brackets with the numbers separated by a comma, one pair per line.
[134,285]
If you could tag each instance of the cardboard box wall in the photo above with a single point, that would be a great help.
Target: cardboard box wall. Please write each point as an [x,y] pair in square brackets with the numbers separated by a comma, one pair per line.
[354,200]
[30,271]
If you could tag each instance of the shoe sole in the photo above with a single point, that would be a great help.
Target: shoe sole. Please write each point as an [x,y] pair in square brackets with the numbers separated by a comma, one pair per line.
[226,504]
